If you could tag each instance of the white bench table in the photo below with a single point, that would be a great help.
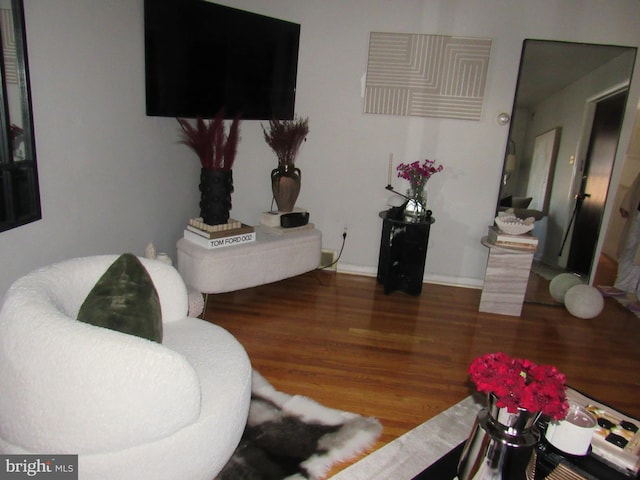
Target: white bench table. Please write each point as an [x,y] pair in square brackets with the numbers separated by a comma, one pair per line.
[272,257]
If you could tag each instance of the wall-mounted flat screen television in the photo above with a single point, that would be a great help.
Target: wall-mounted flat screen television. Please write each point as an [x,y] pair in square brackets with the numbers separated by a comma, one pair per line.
[201,57]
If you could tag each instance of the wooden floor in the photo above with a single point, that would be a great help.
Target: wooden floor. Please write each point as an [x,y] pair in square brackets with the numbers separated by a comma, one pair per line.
[338,339]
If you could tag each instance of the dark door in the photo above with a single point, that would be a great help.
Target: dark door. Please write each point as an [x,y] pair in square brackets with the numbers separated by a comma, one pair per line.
[595,182]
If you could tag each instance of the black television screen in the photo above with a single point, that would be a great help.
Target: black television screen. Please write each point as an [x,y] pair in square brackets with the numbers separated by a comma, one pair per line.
[201,57]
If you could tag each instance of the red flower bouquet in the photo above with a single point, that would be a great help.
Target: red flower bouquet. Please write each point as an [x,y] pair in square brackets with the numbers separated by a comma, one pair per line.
[520,383]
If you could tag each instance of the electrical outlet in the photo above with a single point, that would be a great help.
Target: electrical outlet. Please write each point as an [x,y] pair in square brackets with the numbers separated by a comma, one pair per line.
[345,230]
[327,260]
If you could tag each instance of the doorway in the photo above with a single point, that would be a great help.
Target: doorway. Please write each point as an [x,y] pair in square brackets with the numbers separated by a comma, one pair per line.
[594,186]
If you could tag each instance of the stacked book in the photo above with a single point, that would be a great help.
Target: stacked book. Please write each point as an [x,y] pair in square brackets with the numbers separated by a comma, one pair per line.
[526,241]
[219,236]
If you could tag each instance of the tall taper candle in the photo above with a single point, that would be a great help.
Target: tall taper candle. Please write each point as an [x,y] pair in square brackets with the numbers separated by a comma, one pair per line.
[390,168]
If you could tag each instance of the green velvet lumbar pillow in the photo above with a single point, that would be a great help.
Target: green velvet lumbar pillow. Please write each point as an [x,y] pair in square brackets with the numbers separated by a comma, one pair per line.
[124,299]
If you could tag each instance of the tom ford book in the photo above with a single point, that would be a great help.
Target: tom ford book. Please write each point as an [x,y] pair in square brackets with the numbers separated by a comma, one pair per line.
[221,242]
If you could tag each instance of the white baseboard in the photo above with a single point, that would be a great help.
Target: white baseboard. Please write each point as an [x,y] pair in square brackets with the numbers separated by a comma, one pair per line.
[428,278]
[357,270]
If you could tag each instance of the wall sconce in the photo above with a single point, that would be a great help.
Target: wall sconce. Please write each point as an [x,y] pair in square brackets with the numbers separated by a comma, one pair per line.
[503,118]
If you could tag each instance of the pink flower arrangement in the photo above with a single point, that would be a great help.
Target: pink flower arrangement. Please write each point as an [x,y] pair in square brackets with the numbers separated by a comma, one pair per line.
[520,383]
[417,174]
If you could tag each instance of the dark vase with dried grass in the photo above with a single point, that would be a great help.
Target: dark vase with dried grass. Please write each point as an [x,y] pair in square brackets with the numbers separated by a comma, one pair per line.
[286,181]
[217,152]
[285,138]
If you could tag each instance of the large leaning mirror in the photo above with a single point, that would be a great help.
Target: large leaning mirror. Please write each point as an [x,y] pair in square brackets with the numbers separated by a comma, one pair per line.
[19,194]
[563,136]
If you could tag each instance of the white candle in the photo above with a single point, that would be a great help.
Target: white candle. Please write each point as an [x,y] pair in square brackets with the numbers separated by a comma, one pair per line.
[390,168]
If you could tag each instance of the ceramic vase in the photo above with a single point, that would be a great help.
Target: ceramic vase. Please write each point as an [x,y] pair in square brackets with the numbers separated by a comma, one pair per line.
[501,445]
[285,184]
[216,187]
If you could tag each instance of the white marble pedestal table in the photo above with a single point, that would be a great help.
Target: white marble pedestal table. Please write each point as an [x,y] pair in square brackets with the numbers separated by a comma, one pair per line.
[505,279]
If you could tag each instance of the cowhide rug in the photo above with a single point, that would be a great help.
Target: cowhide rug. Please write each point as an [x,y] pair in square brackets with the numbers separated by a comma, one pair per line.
[293,437]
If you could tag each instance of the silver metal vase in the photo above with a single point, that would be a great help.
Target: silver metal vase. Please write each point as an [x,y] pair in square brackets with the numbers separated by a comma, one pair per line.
[501,445]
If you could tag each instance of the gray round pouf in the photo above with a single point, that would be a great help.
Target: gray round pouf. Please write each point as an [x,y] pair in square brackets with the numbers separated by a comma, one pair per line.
[560,285]
[584,301]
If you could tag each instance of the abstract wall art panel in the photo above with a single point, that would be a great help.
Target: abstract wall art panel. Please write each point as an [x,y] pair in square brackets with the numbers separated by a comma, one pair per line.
[9,46]
[426,75]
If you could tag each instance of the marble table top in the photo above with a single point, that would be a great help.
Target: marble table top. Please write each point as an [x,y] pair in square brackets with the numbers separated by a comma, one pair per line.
[410,454]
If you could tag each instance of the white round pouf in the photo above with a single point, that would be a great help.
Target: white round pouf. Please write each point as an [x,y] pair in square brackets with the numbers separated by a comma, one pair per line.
[584,301]
[196,302]
[560,285]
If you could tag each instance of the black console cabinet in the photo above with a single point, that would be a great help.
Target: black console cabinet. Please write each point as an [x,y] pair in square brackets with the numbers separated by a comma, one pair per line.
[403,250]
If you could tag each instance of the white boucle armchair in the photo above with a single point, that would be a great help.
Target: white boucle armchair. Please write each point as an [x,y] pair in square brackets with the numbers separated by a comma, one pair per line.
[129,407]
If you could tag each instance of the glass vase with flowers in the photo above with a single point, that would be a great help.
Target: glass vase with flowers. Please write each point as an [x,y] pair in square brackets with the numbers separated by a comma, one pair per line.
[417,174]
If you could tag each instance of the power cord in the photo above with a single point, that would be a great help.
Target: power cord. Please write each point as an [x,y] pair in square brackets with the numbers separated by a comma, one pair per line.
[344,238]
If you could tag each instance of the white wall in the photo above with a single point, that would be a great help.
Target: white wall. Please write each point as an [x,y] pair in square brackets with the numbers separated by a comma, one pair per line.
[344,162]
[112,179]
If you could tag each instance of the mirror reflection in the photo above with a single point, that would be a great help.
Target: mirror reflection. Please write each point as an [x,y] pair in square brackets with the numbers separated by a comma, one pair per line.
[563,136]
[19,196]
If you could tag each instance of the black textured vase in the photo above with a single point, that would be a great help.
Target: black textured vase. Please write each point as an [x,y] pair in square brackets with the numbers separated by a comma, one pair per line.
[216,187]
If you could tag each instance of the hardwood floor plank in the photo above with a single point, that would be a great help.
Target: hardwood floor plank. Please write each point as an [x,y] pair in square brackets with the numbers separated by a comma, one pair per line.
[338,339]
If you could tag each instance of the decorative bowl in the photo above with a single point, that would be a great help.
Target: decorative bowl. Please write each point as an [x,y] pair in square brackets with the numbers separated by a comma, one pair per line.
[512,225]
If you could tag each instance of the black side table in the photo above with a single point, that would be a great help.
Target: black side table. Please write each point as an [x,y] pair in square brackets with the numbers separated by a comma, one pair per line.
[403,250]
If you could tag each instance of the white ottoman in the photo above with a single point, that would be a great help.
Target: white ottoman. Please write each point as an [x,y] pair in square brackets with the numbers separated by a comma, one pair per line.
[270,258]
